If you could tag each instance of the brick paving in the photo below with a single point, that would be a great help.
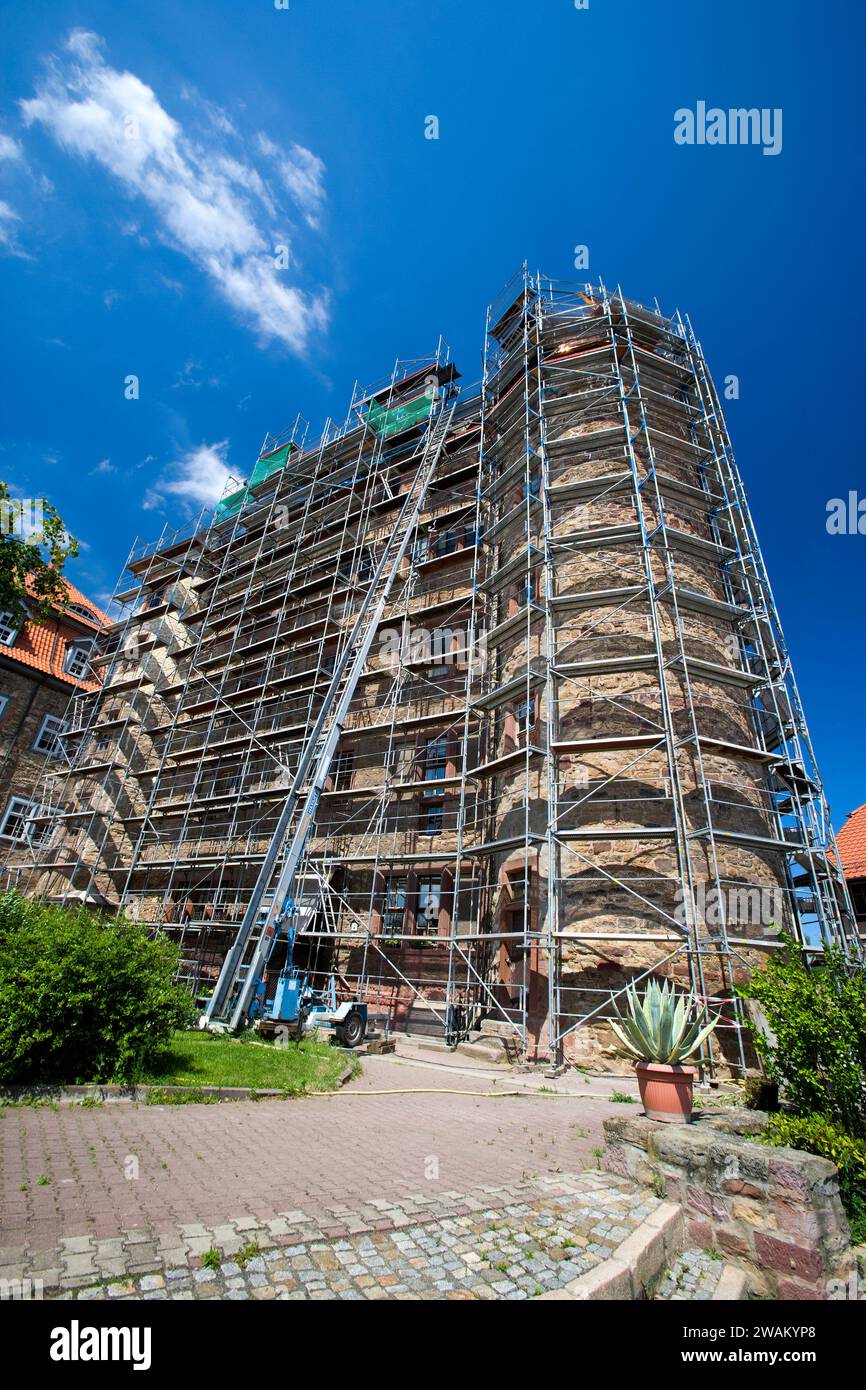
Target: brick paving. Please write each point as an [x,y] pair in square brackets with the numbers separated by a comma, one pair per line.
[117,1167]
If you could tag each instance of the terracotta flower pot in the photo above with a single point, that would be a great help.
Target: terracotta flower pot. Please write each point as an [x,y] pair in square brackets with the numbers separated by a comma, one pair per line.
[666,1092]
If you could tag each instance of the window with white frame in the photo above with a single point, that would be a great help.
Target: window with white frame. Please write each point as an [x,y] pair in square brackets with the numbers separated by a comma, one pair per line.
[77,659]
[47,741]
[81,611]
[394,907]
[427,919]
[17,822]
[9,629]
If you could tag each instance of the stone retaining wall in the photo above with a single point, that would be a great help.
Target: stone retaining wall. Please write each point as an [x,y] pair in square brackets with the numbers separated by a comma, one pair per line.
[774,1212]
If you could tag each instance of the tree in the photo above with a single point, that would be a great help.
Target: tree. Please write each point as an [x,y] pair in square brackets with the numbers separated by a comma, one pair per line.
[31,561]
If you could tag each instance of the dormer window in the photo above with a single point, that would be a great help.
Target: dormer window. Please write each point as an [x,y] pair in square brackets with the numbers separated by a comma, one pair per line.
[10,626]
[79,610]
[77,659]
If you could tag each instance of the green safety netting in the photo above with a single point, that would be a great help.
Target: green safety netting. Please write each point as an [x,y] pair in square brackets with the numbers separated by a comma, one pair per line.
[386,421]
[270,463]
[229,505]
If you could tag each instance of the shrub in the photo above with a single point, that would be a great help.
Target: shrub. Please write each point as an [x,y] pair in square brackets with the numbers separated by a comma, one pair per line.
[817,1135]
[83,997]
[817,1017]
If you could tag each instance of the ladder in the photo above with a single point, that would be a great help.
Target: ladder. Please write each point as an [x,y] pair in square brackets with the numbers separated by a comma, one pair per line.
[271,899]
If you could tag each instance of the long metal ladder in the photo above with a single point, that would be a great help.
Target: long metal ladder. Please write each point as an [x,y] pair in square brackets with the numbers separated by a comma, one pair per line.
[271,899]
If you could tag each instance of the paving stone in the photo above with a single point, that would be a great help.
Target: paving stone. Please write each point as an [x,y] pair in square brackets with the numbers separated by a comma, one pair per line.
[76,1245]
[78,1265]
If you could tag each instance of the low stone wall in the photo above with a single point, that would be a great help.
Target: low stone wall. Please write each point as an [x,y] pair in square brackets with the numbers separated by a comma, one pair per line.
[775,1213]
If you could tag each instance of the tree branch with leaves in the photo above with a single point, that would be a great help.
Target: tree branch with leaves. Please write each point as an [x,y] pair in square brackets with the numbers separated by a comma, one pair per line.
[31,562]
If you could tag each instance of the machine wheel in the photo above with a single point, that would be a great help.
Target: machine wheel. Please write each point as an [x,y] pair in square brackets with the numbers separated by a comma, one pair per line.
[351,1031]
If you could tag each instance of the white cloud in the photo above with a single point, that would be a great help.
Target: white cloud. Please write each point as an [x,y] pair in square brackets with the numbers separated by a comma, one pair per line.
[104,466]
[303,174]
[9,148]
[192,375]
[212,207]
[8,232]
[199,478]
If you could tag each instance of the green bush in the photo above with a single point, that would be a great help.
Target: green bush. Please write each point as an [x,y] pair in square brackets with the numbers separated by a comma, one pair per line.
[83,997]
[816,1135]
[817,1014]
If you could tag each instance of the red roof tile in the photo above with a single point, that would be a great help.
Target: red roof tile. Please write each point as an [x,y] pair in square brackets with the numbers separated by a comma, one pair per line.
[43,645]
[852,844]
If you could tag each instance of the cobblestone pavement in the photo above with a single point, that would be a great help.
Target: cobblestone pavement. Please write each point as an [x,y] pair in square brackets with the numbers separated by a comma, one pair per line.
[513,1241]
[694,1275]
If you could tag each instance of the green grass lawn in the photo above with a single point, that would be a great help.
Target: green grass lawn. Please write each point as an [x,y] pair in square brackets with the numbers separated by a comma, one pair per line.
[209,1059]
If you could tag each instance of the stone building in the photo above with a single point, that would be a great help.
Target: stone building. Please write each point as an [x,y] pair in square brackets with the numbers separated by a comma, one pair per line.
[43,663]
[576,755]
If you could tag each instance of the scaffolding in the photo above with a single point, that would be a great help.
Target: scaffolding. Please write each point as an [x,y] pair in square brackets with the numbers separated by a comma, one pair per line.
[576,755]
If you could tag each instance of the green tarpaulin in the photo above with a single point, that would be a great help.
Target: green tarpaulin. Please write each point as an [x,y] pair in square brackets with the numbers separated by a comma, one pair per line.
[270,463]
[387,421]
[230,505]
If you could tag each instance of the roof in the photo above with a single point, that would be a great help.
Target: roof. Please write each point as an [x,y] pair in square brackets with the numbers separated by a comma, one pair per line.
[851,840]
[43,645]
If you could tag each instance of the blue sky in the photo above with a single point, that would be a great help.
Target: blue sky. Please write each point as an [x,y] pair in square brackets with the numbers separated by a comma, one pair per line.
[152,157]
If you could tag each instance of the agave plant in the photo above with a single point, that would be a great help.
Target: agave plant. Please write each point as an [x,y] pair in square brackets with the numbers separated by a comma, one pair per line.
[660,1027]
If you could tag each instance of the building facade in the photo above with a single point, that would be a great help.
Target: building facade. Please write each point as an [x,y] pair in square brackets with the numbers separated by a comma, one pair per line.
[43,664]
[576,756]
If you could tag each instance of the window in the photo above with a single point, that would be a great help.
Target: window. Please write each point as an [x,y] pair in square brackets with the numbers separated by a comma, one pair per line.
[394,910]
[446,542]
[532,485]
[427,921]
[81,612]
[399,760]
[47,740]
[526,715]
[17,822]
[434,817]
[342,768]
[4,701]
[436,763]
[527,591]
[77,659]
[9,628]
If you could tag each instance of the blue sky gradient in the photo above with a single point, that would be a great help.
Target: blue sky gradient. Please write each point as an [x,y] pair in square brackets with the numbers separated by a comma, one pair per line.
[305,128]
